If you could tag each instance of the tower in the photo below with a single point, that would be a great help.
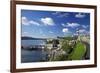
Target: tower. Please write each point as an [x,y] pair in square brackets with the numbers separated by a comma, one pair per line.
[78,36]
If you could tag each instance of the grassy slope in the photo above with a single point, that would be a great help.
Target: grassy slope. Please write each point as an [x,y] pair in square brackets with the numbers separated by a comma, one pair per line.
[78,52]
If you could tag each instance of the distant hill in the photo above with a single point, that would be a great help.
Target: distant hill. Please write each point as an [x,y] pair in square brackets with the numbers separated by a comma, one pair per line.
[31,38]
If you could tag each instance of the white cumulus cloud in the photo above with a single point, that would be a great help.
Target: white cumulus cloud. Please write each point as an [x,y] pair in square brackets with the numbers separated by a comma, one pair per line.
[64,25]
[25,21]
[65,30]
[61,14]
[82,30]
[73,25]
[56,13]
[85,26]
[34,22]
[70,25]
[47,21]
[80,15]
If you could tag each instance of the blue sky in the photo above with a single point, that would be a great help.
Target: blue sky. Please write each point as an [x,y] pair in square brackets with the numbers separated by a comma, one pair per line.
[50,24]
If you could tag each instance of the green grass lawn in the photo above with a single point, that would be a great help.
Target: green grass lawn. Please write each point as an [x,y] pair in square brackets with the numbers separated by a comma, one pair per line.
[78,52]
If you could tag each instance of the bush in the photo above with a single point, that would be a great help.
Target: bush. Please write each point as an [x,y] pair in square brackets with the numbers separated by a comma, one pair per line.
[65,46]
[60,58]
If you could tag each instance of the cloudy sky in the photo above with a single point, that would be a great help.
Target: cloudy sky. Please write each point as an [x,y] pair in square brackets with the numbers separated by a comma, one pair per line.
[50,24]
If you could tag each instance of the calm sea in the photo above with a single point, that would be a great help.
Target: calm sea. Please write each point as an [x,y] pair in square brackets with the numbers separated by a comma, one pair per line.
[27,43]
[32,55]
